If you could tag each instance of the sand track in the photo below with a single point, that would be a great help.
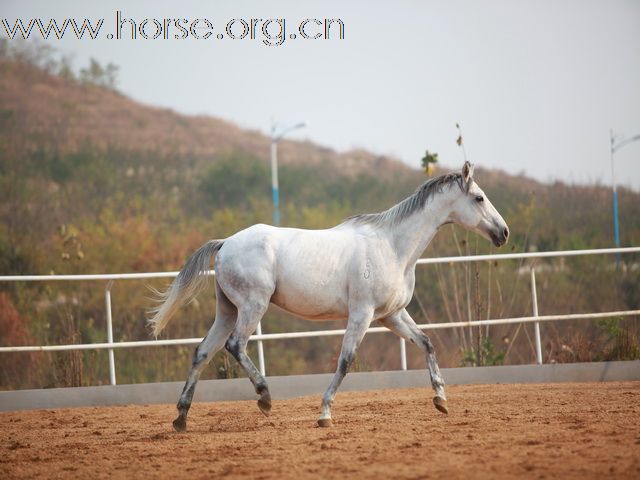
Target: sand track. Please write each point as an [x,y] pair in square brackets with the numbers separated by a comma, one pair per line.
[575,430]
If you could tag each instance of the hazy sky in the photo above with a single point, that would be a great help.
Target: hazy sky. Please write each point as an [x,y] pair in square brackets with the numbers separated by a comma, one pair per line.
[535,85]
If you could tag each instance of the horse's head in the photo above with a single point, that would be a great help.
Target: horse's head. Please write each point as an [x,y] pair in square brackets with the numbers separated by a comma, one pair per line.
[473,210]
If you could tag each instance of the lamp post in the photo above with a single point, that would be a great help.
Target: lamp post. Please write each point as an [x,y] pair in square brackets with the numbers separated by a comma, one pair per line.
[616,145]
[276,136]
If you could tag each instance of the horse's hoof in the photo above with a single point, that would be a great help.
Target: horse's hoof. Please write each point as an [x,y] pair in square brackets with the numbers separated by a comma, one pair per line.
[264,404]
[325,422]
[441,404]
[180,424]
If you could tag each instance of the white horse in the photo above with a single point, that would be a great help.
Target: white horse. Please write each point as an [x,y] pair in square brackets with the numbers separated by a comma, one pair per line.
[361,270]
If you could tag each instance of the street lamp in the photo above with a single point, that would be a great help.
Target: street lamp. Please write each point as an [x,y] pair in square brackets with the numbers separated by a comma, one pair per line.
[615,146]
[275,138]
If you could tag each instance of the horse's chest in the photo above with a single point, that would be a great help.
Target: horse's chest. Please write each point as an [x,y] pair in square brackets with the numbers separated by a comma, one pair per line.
[394,300]
[392,294]
[383,284]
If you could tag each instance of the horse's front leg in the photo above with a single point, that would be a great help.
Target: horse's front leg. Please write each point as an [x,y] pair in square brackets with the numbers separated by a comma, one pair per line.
[403,325]
[356,328]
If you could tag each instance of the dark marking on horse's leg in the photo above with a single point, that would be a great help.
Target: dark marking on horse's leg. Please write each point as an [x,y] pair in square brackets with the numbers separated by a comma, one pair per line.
[437,382]
[238,350]
[180,423]
[344,363]
[264,402]
[403,325]
[214,340]
[184,404]
[357,326]
[426,341]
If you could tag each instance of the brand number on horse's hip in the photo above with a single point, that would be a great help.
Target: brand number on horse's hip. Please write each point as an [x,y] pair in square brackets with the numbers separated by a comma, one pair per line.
[367,272]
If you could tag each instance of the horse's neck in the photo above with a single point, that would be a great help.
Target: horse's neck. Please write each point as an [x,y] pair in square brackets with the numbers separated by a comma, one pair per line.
[412,236]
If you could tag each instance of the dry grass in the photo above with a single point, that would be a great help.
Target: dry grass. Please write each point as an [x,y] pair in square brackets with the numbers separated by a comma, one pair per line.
[45,106]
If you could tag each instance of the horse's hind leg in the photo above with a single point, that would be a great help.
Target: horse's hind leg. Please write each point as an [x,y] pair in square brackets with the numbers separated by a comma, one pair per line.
[226,314]
[248,318]
[403,325]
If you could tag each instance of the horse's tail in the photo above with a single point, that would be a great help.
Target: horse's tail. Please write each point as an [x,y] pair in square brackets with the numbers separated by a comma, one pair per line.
[189,282]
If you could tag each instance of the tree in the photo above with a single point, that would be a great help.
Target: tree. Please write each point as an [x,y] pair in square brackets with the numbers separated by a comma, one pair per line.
[96,74]
[428,162]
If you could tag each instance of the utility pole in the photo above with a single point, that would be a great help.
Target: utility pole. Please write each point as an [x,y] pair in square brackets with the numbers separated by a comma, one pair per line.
[616,145]
[275,191]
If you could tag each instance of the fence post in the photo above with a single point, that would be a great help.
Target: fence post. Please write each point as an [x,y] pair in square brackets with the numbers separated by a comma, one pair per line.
[536,325]
[260,351]
[112,362]
[403,354]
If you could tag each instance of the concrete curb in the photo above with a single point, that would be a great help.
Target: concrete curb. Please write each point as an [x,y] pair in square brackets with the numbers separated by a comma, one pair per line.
[299,385]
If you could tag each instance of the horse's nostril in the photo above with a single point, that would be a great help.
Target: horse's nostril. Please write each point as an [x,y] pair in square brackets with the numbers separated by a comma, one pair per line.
[506,232]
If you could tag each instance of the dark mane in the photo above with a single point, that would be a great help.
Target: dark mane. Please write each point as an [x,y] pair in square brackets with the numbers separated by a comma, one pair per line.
[409,205]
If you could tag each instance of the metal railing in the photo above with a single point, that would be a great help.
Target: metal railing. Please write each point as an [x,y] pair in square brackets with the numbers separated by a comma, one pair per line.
[260,337]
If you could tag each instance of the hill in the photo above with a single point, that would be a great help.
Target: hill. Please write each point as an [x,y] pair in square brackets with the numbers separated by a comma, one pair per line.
[43,106]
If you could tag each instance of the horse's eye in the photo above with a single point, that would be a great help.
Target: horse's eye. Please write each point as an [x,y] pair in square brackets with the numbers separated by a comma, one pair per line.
[479,198]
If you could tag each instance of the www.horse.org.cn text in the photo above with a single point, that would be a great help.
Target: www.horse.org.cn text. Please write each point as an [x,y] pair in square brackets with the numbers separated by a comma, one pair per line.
[268,31]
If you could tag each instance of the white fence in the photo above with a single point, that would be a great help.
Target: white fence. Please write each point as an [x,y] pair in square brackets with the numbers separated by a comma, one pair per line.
[259,337]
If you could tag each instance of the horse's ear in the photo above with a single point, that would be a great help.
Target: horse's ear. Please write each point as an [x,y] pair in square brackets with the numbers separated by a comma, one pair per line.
[467,175]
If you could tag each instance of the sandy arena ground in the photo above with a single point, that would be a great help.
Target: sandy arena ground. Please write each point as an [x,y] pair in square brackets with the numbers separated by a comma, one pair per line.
[575,430]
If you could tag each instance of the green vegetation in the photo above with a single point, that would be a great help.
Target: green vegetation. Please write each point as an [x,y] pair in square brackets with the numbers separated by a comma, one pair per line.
[429,161]
[142,191]
[485,356]
[45,57]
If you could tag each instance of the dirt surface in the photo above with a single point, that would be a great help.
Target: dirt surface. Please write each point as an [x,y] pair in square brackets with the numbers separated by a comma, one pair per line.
[580,430]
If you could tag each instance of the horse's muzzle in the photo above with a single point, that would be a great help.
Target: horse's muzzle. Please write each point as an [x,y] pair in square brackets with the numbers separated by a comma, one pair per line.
[499,236]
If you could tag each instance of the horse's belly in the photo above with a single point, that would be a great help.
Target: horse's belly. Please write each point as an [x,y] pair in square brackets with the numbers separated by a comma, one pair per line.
[315,314]
[311,301]
[312,288]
